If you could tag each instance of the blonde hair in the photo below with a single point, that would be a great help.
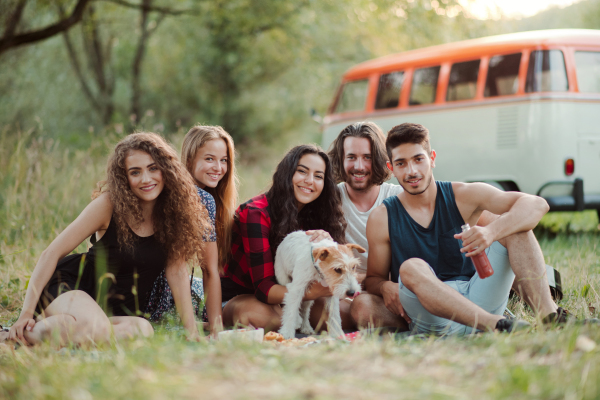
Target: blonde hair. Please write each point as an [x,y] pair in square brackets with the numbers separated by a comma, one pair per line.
[178,216]
[225,193]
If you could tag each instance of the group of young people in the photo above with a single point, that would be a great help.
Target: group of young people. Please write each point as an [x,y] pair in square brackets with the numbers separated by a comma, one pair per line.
[156,214]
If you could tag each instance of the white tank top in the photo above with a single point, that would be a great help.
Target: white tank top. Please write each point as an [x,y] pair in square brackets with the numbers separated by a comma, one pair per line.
[356,232]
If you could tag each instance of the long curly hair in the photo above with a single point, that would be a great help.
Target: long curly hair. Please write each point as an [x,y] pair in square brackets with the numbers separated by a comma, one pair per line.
[179,218]
[225,194]
[323,213]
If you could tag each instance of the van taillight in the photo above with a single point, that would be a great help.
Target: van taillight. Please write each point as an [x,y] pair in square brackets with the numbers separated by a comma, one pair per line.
[569,167]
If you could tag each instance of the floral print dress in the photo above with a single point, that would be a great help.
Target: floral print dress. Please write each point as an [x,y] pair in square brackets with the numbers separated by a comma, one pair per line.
[160,300]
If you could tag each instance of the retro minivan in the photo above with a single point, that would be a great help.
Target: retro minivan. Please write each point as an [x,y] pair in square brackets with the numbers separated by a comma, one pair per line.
[520,111]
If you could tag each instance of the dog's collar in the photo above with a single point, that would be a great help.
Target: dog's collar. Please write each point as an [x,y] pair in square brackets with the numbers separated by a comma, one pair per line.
[317,268]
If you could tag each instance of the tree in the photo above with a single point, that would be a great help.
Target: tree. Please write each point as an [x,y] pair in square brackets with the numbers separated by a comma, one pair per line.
[11,39]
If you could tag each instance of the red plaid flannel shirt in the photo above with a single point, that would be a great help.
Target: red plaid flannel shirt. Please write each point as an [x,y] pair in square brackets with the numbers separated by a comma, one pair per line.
[251,263]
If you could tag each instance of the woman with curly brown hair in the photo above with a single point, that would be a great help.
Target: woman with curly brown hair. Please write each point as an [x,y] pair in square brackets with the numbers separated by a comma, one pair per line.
[145,218]
[303,195]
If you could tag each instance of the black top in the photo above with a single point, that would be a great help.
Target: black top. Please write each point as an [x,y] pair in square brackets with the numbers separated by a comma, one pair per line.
[434,244]
[134,271]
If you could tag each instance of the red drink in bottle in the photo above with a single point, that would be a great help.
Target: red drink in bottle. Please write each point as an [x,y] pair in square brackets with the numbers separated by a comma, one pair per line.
[481,261]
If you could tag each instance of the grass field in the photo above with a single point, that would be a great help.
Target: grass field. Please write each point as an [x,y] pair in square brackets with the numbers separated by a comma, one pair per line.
[45,183]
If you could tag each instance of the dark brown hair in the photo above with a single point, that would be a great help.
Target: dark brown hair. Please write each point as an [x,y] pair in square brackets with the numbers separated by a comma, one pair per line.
[178,216]
[373,133]
[325,212]
[407,133]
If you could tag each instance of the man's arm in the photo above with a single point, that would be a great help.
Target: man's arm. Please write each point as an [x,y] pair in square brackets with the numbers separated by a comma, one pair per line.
[519,212]
[378,264]
[380,255]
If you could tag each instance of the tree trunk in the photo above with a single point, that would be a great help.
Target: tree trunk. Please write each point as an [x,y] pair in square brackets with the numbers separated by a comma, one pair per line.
[137,61]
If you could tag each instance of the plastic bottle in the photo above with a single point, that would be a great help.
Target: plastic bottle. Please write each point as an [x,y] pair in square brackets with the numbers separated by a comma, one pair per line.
[481,261]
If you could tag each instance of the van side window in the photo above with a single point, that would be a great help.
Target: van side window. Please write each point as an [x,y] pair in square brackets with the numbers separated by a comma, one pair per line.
[424,86]
[354,96]
[463,81]
[588,71]
[503,75]
[546,72]
[388,93]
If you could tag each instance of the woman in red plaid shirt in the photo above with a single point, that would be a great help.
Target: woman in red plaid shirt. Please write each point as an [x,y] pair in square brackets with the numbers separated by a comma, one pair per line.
[304,196]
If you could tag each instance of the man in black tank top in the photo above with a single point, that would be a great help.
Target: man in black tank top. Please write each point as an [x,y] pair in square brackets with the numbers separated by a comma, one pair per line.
[416,236]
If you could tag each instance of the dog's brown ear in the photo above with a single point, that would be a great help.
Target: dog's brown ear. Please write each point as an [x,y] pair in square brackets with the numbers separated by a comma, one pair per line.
[356,247]
[320,253]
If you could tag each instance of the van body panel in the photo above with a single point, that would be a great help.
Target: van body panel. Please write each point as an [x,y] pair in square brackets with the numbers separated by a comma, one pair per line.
[525,142]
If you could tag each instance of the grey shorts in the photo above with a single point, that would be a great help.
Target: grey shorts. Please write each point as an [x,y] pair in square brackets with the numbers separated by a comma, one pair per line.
[491,294]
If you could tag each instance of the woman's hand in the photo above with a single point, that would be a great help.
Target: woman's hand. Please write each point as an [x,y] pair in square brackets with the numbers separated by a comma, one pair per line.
[318,234]
[317,290]
[17,331]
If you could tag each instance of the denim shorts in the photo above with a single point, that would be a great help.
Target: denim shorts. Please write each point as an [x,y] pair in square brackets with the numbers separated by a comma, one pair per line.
[491,294]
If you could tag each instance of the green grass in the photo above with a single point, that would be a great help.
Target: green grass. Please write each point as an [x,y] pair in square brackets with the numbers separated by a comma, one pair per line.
[45,183]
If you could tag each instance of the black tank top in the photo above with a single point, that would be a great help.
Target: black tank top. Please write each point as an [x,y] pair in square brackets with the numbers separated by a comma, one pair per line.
[134,271]
[435,244]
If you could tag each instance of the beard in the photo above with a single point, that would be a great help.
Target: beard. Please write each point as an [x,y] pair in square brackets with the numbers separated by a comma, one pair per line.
[420,192]
[362,186]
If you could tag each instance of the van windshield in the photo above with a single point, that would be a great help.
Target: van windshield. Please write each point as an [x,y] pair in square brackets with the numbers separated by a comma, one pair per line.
[353,97]
[588,71]
[546,72]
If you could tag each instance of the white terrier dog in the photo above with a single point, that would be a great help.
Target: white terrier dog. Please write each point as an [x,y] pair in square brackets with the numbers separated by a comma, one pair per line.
[298,263]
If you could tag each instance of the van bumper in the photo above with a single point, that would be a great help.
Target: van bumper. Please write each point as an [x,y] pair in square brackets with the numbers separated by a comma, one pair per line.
[576,202]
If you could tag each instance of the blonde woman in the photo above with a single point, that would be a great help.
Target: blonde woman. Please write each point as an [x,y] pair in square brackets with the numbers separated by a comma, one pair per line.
[209,155]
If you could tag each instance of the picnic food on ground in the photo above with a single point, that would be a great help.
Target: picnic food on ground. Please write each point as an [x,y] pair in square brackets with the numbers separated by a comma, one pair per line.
[273,336]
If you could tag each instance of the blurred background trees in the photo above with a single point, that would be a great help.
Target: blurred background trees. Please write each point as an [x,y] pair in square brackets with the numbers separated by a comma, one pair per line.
[254,67]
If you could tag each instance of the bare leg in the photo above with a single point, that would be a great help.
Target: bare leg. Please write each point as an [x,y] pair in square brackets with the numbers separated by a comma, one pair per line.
[130,327]
[318,315]
[441,300]
[73,317]
[527,262]
[246,309]
[369,310]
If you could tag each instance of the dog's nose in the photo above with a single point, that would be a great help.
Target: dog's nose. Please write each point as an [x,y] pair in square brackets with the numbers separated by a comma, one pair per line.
[350,293]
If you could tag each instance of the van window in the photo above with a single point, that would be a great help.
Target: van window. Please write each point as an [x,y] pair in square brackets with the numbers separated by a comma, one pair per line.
[463,81]
[588,71]
[503,75]
[354,96]
[388,93]
[546,72]
[424,86]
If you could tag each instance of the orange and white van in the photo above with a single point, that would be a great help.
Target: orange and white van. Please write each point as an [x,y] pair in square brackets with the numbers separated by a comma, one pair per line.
[520,111]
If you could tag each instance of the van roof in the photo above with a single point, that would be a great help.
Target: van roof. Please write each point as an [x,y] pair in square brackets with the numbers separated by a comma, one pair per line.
[475,48]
